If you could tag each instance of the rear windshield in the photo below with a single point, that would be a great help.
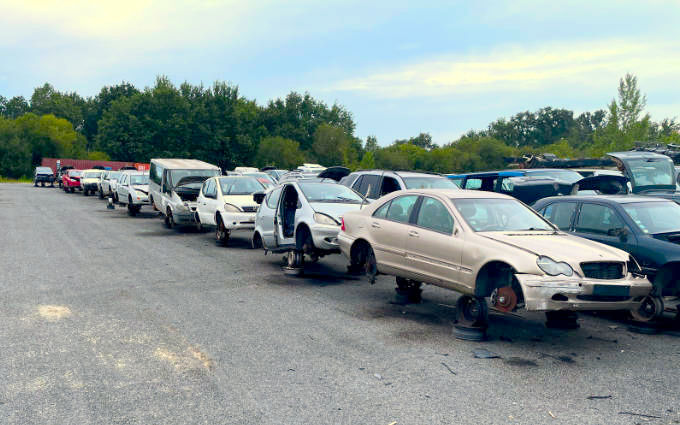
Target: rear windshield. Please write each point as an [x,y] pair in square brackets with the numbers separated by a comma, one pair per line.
[44,170]
[75,173]
[177,175]
[429,183]
[93,174]
[239,185]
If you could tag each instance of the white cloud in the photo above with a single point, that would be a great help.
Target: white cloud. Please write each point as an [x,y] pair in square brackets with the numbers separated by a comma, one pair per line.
[512,69]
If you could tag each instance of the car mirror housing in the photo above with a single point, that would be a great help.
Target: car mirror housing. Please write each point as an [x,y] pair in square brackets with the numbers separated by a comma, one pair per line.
[258,197]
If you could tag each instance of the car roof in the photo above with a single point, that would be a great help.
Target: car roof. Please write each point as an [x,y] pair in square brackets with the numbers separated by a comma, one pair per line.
[457,193]
[637,154]
[404,173]
[611,199]
[183,164]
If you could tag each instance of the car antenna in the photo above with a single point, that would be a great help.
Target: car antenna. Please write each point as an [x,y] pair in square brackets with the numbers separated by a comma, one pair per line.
[363,199]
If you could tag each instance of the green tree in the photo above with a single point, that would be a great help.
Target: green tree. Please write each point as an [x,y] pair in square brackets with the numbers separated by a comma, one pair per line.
[331,145]
[279,152]
[371,144]
[46,100]
[16,107]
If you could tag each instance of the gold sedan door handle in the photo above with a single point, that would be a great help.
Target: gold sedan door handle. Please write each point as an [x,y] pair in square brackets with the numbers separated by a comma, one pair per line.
[375,225]
[413,234]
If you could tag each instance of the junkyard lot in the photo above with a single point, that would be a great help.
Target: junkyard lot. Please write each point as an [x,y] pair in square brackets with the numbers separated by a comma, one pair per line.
[112,319]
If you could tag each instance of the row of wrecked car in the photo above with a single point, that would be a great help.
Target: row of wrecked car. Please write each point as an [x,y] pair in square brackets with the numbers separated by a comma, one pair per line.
[562,256]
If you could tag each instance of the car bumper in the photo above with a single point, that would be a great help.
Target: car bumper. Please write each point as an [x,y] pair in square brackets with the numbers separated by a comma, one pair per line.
[91,186]
[239,221]
[345,243]
[140,200]
[46,179]
[546,293]
[326,237]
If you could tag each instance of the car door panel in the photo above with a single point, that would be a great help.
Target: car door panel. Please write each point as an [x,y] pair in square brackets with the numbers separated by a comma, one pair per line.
[389,233]
[433,248]
[265,217]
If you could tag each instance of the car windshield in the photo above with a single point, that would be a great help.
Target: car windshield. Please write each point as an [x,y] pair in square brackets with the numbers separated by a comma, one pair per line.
[43,170]
[177,175]
[75,173]
[263,178]
[329,192]
[562,175]
[115,175]
[652,172]
[655,217]
[139,179]
[433,182]
[92,174]
[499,215]
[239,185]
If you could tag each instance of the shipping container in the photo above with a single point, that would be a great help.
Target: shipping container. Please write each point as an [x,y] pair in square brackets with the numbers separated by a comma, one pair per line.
[84,164]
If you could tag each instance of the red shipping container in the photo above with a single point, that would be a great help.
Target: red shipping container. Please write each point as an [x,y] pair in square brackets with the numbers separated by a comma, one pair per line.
[84,164]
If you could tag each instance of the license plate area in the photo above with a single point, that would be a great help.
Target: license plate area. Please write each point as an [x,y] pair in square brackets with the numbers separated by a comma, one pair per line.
[611,290]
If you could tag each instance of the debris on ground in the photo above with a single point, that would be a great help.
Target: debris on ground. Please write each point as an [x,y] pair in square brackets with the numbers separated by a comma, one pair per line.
[552,414]
[483,353]
[642,415]
[449,369]
[377,375]
[599,397]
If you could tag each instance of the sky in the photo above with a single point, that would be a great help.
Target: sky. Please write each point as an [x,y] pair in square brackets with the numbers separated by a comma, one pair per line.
[400,67]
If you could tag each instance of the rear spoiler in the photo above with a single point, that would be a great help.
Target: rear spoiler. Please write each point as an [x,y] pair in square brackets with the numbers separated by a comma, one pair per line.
[334,173]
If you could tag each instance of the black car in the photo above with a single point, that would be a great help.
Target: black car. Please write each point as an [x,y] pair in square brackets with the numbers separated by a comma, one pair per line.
[43,175]
[648,228]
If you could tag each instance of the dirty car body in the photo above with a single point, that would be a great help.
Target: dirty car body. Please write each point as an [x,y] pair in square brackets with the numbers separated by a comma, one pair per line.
[478,243]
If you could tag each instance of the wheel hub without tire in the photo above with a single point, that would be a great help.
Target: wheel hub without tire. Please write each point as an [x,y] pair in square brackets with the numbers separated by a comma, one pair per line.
[504,299]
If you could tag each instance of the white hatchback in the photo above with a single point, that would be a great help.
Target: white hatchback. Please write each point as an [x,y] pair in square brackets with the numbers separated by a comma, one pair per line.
[226,204]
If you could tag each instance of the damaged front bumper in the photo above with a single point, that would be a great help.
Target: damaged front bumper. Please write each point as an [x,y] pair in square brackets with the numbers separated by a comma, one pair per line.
[326,237]
[239,221]
[549,293]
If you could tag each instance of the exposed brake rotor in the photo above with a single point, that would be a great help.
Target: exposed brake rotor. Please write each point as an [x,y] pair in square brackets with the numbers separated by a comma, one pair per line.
[504,299]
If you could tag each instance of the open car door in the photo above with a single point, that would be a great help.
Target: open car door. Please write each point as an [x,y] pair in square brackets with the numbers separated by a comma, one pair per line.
[284,219]
[334,173]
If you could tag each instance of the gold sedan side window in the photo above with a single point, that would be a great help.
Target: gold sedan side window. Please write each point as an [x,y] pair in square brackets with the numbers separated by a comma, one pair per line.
[433,215]
[400,209]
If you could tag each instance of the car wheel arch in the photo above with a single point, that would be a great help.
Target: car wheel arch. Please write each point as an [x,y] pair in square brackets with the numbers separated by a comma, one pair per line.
[358,251]
[301,230]
[493,275]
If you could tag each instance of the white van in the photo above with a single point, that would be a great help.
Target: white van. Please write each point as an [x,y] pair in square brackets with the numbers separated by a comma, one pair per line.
[174,185]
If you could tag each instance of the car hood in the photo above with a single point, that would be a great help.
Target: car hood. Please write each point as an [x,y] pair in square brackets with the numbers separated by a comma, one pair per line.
[141,187]
[335,210]
[90,180]
[558,246]
[240,200]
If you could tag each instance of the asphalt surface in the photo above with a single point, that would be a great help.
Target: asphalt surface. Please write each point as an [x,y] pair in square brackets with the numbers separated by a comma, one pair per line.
[106,318]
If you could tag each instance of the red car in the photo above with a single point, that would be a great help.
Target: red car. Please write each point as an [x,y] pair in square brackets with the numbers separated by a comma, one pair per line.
[71,180]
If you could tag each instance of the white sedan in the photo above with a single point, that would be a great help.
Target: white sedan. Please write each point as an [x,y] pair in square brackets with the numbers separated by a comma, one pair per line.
[133,190]
[226,203]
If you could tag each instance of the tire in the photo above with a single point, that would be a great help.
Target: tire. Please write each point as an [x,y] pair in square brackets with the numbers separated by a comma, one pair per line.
[169,221]
[132,210]
[101,194]
[221,233]
[85,192]
[371,265]
[42,184]
[651,309]
[256,242]
[472,312]
[305,243]
[35,184]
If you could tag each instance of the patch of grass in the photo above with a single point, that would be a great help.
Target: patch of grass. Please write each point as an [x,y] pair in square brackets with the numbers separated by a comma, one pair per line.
[19,180]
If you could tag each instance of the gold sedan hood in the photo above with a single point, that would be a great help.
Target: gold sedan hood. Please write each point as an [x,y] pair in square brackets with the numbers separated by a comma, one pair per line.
[558,246]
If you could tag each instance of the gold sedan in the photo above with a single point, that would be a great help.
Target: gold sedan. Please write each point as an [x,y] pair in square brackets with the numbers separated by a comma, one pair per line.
[485,244]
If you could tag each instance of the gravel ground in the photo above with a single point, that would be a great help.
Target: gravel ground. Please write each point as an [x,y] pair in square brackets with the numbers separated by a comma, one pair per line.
[113,319]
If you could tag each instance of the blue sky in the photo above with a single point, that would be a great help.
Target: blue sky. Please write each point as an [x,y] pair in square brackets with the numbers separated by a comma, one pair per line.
[401,67]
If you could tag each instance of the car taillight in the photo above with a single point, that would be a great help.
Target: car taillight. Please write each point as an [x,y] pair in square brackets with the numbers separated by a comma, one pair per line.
[342,226]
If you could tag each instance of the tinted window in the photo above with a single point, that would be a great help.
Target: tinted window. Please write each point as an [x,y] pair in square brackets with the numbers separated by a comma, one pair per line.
[599,219]
[433,182]
[389,185]
[369,181]
[209,189]
[156,173]
[357,184]
[273,198]
[382,211]
[400,208]
[434,215]
[139,179]
[560,214]
[473,184]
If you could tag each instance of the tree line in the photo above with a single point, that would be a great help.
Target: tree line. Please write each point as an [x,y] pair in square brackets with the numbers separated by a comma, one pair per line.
[219,125]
